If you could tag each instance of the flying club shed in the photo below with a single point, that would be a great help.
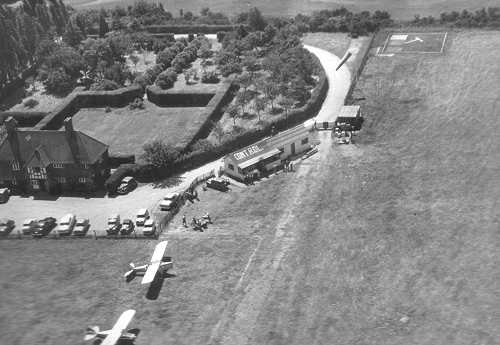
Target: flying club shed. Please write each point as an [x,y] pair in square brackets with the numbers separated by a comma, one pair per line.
[349,114]
[267,154]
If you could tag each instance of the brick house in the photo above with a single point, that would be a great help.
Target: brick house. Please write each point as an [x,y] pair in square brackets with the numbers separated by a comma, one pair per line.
[48,160]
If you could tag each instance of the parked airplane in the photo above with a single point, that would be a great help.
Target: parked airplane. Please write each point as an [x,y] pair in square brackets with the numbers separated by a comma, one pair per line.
[154,266]
[117,333]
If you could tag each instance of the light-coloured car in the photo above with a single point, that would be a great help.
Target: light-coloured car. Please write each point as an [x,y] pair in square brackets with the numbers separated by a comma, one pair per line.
[6,226]
[81,227]
[149,228]
[28,226]
[169,201]
[66,224]
[114,224]
[142,217]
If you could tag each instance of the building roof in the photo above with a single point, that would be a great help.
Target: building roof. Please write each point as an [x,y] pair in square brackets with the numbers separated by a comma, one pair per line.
[39,148]
[349,111]
[266,148]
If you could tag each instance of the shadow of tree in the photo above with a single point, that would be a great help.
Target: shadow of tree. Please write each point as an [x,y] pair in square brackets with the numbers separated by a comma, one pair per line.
[167,182]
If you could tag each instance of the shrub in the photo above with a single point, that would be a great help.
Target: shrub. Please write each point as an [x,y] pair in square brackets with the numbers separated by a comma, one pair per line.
[31,103]
[59,82]
[209,78]
[166,79]
[136,104]
[104,85]
[221,35]
[29,93]
[142,80]
[108,109]
[179,64]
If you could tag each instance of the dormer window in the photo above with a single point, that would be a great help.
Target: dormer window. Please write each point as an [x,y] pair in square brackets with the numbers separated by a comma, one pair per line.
[16,166]
[86,166]
[58,165]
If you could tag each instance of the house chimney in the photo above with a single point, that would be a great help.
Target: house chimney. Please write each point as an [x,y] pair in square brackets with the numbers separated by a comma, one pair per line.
[68,126]
[10,124]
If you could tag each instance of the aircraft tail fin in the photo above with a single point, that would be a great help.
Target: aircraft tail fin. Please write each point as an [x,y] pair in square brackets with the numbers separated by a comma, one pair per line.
[131,271]
[91,332]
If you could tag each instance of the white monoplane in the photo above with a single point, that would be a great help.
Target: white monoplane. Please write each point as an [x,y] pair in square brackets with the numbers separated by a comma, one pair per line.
[415,40]
[154,266]
[117,333]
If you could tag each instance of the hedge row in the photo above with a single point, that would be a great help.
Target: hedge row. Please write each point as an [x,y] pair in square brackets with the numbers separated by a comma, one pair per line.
[24,118]
[87,99]
[187,29]
[177,98]
[118,159]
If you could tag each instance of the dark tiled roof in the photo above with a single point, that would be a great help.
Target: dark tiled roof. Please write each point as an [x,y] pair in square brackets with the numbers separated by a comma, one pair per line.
[52,146]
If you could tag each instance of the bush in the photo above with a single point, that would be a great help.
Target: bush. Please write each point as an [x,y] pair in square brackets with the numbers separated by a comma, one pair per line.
[59,82]
[31,103]
[108,109]
[210,78]
[136,104]
[104,85]
[166,79]
[142,80]
[221,35]
[179,64]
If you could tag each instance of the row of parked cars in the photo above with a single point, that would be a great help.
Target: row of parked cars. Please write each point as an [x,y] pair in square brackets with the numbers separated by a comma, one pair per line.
[70,225]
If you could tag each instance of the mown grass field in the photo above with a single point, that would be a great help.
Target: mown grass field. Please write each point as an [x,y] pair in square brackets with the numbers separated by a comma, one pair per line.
[125,131]
[398,9]
[393,240]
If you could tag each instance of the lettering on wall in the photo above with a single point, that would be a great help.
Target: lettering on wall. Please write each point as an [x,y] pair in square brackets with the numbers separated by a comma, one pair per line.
[247,152]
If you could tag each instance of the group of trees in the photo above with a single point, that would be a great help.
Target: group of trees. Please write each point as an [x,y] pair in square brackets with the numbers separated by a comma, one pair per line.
[483,18]
[286,69]
[21,31]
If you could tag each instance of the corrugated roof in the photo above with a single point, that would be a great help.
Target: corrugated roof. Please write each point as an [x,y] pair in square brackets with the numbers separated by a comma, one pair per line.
[349,111]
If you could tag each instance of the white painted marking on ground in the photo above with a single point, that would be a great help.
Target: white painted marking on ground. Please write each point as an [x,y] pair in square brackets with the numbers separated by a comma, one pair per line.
[399,37]
[248,263]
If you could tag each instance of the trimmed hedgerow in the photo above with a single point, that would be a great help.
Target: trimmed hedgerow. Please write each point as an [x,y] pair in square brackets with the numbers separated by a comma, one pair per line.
[24,118]
[186,29]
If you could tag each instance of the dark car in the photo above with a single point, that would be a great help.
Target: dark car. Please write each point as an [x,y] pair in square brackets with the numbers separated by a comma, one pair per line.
[128,184]
[6,226]
[44,226]
[127,226]
[218,183]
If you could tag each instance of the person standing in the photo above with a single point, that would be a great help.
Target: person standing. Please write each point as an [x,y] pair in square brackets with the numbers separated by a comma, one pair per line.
[290,166]
[184,220]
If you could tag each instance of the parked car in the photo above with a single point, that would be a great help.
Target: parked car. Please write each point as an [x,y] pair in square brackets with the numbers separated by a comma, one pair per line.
[4,194]
[142,216]
[170,201]
[114,224]
[218,183]
[149,228]
[81,227]
[127,185]
[127,226]
[43,227]
[6,226]
[28,226]
[66,224]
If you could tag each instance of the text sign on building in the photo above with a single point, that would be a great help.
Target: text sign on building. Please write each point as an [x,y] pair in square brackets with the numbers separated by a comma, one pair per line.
[247,152]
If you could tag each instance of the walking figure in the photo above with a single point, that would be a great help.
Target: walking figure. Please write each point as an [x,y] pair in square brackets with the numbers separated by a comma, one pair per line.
[291,166]
[184,220]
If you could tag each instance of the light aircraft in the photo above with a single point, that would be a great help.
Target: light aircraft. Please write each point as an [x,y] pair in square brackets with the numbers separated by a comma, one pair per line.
[154,266]
[117,333]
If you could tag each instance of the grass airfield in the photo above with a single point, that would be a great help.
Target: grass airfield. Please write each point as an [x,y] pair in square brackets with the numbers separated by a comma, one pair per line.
[391,240]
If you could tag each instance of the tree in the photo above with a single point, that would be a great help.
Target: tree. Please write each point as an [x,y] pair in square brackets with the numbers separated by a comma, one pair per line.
[233,113]
[187,75]
[256,20]
[159,153]
[72,35]
[116,23]
[59,82]
[135,60]
[287,104]
[259,104]
[103,27]
[243,98]
[204,11]
[270,89]
[31,82]
[218,131]
[188,16]
[205,52]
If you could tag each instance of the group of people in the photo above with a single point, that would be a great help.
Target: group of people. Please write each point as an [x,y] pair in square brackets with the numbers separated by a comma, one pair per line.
[197,223]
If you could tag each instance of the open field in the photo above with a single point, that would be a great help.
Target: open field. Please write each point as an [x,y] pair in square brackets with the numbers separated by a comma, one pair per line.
[398,9]
[125,131]
[393,240]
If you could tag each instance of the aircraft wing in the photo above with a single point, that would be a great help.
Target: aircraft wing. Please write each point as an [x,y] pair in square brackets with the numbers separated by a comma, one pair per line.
[155,262]
[119,328]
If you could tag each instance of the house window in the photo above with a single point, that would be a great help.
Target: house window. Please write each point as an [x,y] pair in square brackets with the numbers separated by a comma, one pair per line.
[14,183]
[16,166]
[82,179]
[58,165]
[100,159]
[61,179]
[230,166]
[305,141]
[86,166]
[282,150]
[240,171]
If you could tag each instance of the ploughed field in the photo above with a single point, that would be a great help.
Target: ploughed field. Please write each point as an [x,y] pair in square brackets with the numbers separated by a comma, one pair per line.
[125,131]
[401,10]
[392,240]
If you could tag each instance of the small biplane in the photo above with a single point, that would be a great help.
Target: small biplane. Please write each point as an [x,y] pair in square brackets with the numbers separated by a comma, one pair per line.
[156,265]
[117,333]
